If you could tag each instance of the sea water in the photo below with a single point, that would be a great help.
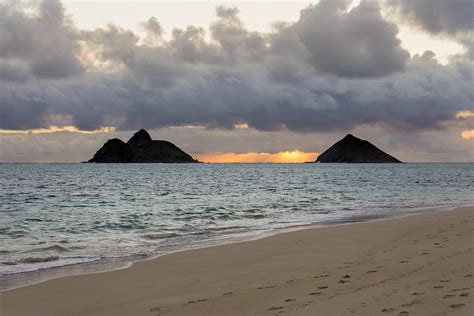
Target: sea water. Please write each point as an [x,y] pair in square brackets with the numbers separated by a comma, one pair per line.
[100,215]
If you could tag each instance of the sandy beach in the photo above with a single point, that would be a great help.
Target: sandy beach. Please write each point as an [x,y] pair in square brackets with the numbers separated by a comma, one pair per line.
[416,265]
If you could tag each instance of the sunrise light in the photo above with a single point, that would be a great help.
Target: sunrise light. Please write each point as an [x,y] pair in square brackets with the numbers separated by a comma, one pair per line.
[293,156]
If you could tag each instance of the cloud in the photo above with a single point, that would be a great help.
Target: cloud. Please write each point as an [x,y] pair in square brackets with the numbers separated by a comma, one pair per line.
[468,134]
[438,16]
[152,94]
[154,31]
[43,42]
[13,71]
[56,129]
[356,43]
[332,71]
[453,18]
[464,114]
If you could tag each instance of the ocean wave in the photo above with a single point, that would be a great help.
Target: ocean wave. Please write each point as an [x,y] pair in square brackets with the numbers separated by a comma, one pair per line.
[9,263]
[54,248]
[256,216]
[226,228]
[33,220]
[36,263]
[160,236]
[214,230]
[38,259]
[12,233]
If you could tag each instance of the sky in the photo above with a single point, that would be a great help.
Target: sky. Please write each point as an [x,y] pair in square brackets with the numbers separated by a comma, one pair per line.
[242,81]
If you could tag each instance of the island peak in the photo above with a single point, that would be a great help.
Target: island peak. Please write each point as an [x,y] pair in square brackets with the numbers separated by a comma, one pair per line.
[140,137]
[351,149]
[140,148]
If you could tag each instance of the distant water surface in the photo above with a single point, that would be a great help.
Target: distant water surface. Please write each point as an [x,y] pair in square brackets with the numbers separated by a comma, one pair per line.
[61,214]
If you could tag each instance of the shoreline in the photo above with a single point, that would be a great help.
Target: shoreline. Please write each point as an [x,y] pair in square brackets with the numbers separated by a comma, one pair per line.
[190,281]
[103,265]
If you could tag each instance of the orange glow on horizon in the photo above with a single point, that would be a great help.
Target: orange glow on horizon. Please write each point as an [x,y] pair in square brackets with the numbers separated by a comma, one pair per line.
[464,114]
[55,129]
[468,134]
[294,156]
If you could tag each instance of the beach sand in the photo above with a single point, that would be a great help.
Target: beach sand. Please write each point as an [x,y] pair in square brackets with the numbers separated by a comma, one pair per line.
[415,265]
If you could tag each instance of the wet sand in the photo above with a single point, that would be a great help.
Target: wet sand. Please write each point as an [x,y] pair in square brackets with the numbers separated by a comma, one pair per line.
[416,265]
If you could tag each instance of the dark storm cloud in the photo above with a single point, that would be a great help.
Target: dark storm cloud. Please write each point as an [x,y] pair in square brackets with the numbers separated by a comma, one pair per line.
[438,16]
[358,43]
[44,42]
[330,71]
[12,71]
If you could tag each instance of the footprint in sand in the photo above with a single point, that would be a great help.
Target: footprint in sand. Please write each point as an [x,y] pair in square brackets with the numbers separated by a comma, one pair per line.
[306,304]
[438,287]
[403,313]
[468,276]
[347,276]
[274,308]
[464,294]
[155,309]
[290,299]
[266,287]
[321,276]
[315,293]
[387,310]
[342,281]
[417,293]
[404,261]
[412,303]
[448,296]
[322,287]
[456,305]
[444,281]
[196,301]
[227,293]
[371,271]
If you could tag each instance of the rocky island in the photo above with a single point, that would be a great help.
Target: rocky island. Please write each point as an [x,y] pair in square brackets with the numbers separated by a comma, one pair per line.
[351,149]
[140,149]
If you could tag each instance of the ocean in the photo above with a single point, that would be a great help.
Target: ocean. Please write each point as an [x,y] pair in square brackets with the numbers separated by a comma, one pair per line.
[62,219]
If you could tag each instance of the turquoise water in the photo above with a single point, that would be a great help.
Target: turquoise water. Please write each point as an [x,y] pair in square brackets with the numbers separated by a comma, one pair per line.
[60,214]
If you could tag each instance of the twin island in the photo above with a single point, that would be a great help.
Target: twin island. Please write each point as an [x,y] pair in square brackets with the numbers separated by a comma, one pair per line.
[142,149]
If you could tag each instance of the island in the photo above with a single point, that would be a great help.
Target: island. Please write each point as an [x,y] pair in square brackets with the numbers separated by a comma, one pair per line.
[351,149]
[141,149]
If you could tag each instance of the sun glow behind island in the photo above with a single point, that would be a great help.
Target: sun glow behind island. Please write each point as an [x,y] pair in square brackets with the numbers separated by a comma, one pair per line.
[293,156]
